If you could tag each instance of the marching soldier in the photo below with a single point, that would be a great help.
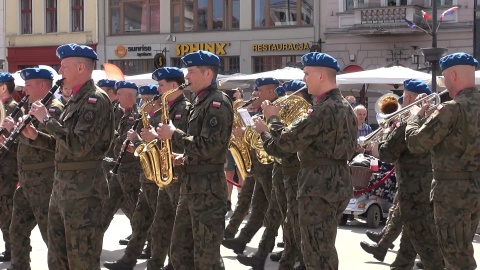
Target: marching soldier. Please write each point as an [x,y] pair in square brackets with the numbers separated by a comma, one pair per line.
[36,174]
[125,185]
[414,178]
[451,134]
[167,200]
[81,139]
[325,138]
[8,166]
[109,87]
[200,218]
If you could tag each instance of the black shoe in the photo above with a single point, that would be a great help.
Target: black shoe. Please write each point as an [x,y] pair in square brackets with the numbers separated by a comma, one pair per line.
[118,265]
[146,254]
[167,267]
[227,234]
[234,244]
[5,257]
[375,237]
[275,257]
[256,263]
[123,242]
[420,265]
[377,252]
[281,244]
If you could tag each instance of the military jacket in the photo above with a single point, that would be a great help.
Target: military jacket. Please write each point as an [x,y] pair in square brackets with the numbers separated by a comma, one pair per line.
[126,123]
[413,170]
[83,133]
[178,112]
[289,160]
[452,135]
[327,131]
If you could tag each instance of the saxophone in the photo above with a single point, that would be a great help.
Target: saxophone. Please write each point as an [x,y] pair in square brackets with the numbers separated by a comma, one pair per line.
[238,147]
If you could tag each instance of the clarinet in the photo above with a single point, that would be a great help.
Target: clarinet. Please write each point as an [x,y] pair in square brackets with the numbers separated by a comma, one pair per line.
[17,131]
[15,111]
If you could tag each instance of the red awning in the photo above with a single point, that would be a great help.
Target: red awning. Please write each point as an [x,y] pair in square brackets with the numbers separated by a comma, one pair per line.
[352,68]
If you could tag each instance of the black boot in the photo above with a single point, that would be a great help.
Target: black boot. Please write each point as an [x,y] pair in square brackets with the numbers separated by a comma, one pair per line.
[281,244]
[375,237]
[255,262]
[146,254]
[5,257]
[118,265]
[275,257]
[167,267]
[124,242]
[228,234]
[234,244]
[377,252]
[420,265]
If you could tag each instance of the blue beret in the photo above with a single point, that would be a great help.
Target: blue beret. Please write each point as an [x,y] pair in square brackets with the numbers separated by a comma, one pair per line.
[416,86]
[151,89]
[125,84]
[166,73]
[318,59]
[456,59]
[265,81]
[75,50]
[400,100]
[36,73]
[294,85]
[280,91]
[201,58]
[6,77]
[106,83]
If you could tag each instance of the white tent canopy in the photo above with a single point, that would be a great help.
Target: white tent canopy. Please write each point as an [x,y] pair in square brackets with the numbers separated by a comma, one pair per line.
[386,75]
[284,74]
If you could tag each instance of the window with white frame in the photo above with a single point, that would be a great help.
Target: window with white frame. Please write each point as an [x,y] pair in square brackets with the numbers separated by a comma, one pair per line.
[77,15]
[26,16]
[50,16]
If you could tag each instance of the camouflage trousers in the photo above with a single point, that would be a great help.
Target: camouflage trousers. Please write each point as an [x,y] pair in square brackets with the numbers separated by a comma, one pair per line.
[243,204]
[393,226]
[123,189]
[30,207]
[456,219]
[163,223]
[75,234]
[262,195]
[277,208]
[318,227]
[141,221]
[418,236]
[8,184]
[291,226]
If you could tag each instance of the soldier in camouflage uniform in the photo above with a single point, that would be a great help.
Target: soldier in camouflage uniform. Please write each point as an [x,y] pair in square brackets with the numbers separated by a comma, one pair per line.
[265,208]
[109,87]
[290,167]
[200,218]
[325,138]
[8,166]
[31,199]
[124,186]
[451,134]
[81,138]
[414,178]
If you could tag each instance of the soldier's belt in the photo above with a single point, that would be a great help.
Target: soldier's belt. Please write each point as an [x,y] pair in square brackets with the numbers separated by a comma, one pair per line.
[413,166]
[323,162]
[290,170]
[437,175]
[81,165]
[36,166]
[201,168]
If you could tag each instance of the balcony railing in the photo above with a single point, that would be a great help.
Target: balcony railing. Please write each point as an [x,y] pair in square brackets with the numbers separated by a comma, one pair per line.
[382,15]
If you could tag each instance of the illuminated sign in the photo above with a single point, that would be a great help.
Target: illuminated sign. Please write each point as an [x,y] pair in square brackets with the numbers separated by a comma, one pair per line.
[140,51]
[281,47]
[217,48]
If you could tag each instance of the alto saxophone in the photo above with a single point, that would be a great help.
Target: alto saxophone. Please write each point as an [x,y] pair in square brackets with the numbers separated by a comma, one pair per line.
[237,146]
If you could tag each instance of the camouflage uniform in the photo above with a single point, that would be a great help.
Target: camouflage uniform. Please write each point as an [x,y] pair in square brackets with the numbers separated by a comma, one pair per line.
[167,199]
[31,199]
[291,228]
[325,139]
[81,139]
[451,135]
[118,112]
[393,226]
[8,180]
[125,185]
[200,219]
[414,178]
[243,204]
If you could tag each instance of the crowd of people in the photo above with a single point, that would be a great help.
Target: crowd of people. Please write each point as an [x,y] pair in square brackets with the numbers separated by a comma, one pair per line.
[62,173]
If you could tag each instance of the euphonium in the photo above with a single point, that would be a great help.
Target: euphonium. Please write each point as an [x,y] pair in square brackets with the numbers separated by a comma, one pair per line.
[238,147]
[291,107]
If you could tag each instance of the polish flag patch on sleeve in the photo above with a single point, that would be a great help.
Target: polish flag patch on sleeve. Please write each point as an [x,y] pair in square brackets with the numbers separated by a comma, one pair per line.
[216,104]
[51,110]
[310,111]
[131,118]
[439,107]
[178,116]
[92,100]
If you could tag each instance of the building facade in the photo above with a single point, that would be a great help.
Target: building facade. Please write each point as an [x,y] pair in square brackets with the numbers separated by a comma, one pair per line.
[34,29]
[249,35]
[3,65]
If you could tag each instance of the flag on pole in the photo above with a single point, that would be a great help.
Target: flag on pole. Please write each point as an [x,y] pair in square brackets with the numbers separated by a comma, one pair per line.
[410,23]
[426,16]
[449,11]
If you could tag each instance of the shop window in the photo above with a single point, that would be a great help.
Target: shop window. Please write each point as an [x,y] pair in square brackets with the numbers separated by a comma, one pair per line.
[134,66]
[268,63]
[51,16]
[26,16]
[228,64]
[130,17]
[77,15]
[205,15]
[275,13]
